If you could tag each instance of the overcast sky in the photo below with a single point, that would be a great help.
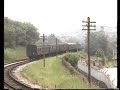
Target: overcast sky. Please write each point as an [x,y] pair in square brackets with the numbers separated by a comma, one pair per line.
[59,16]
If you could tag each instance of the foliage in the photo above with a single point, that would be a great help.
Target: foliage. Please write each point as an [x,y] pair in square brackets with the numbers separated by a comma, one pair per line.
[109,50]
[100,53]
[18,33]
[72,40]
[72,58]
[109,64]
[83,55]
[14,54]
[53,74]
[99,41]
[51,39]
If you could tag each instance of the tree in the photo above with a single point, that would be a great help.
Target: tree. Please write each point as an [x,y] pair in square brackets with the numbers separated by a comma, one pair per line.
[31,34]
[99,41]
[8,34]
[72,40]
[100,54]
[17,33]
[51,39]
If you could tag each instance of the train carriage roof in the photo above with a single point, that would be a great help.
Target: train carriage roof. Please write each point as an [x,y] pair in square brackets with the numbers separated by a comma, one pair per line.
[39,46]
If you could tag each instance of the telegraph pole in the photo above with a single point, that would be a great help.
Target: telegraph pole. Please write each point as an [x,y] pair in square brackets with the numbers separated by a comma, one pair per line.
[88,31]
[43,49]
[56,47]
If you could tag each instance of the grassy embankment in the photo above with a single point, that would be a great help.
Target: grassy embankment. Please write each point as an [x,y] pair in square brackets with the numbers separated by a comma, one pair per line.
[14,54]
[53,74]
[20,52]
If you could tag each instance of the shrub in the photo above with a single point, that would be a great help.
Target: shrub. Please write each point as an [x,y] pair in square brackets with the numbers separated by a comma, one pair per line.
[83,55]
[71,58]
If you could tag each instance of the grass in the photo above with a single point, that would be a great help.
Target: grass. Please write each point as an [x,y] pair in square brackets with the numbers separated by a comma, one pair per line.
[14,54]
[53,74]
[109,64]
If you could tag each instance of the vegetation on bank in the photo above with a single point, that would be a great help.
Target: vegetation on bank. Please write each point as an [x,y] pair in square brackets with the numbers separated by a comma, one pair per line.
[110,64]
[11,54]
[16,36]
[72,58]
[21,34]
[100,41]
[54,74]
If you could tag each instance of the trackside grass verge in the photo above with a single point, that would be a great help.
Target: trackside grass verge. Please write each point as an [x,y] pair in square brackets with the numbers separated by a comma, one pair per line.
[54,74]
[14,54]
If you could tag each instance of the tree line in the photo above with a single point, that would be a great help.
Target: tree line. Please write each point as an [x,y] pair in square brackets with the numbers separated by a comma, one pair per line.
[18,33]
[51,39]
[100,45]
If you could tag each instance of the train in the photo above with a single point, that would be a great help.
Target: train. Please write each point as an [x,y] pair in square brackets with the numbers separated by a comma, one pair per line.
[34,51]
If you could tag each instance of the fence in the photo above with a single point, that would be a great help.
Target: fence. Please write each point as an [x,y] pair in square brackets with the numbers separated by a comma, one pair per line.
[96,74]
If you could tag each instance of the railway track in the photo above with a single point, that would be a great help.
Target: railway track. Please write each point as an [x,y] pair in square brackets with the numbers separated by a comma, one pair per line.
[10,82]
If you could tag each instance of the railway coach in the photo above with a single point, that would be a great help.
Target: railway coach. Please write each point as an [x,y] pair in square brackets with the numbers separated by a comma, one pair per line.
[34,51]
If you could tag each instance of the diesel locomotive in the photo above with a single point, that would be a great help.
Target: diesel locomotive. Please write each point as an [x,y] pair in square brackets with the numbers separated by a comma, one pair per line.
[34,51]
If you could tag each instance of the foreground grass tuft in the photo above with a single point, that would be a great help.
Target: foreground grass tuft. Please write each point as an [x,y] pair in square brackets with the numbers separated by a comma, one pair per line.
[54,74]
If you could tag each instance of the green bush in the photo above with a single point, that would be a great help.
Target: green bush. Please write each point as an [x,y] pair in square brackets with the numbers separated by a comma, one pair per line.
[83,55]
[72,58]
